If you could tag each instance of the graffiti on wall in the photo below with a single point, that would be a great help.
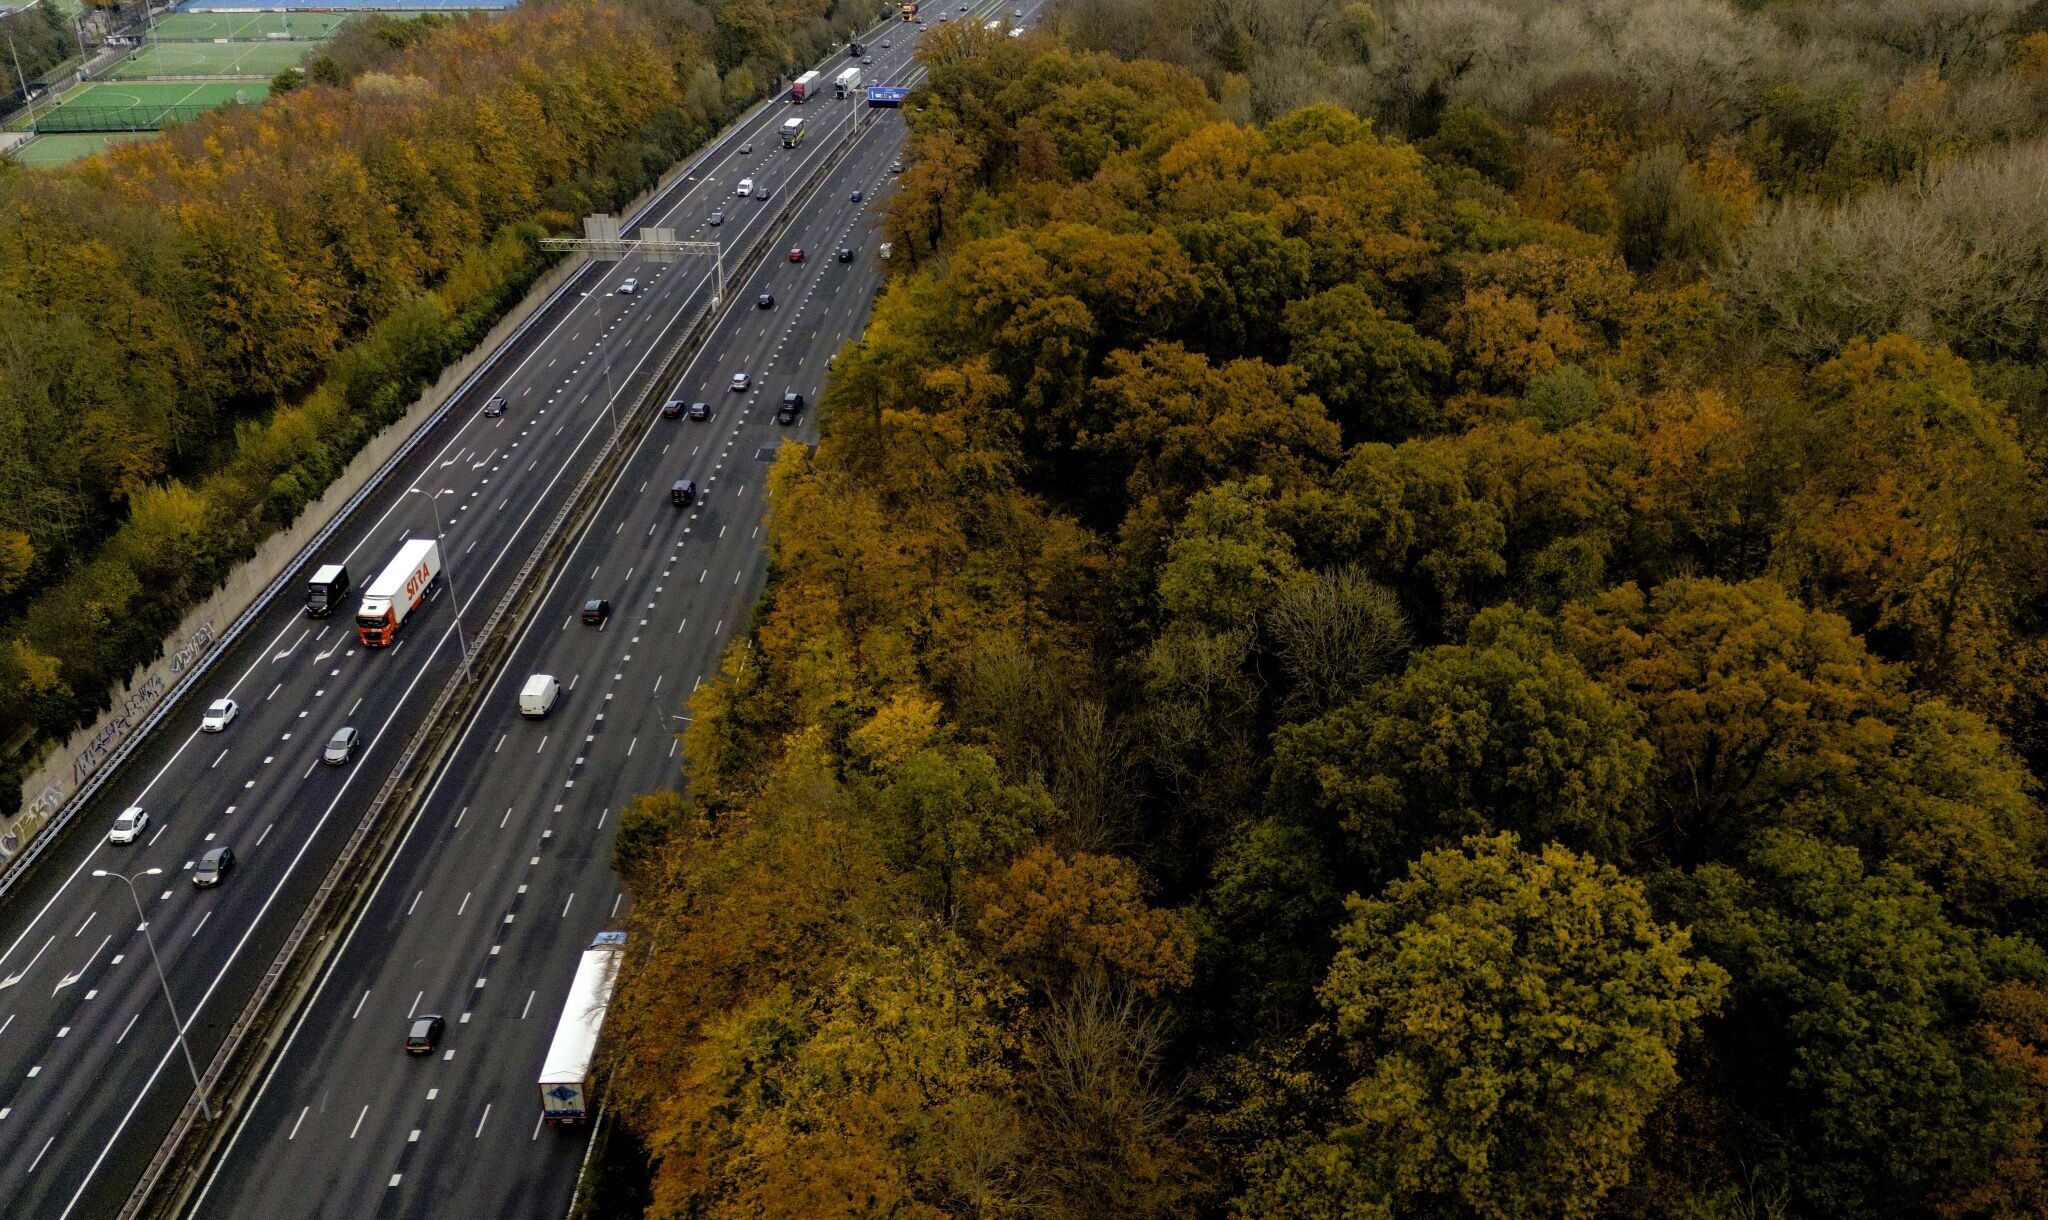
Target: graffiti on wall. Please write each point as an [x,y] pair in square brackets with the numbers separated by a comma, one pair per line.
[136,706]
[33,815]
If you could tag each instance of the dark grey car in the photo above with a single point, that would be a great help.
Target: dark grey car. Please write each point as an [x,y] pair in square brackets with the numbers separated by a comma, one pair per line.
[213,866]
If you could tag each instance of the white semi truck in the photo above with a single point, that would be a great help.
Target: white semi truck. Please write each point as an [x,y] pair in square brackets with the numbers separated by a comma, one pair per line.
[399,590]
[567,1077]
[847,82]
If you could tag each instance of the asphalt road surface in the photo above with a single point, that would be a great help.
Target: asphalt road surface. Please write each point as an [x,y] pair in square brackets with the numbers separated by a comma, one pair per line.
[504,875]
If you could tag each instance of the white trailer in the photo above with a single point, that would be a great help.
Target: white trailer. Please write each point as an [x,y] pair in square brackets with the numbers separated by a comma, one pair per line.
[398,591]
[565,1076]
[846,82]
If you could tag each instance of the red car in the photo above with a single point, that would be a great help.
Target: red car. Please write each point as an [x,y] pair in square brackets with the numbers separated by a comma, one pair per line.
[796,254]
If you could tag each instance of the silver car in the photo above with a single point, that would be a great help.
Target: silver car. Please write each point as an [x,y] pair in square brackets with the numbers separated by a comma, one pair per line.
[341,747]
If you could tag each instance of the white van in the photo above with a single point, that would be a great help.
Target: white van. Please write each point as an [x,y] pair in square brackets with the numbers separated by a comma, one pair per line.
[746,187]
[538,695]
[888,249]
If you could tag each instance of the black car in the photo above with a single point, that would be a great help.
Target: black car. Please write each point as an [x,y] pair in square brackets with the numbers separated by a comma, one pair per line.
[424,1034]
[792,406]
[717,218]
[700,410]
[762,193]
[857,196]
[494,408]
[765,301]
[596,610]
[672,408]
[846,254]
[213,866]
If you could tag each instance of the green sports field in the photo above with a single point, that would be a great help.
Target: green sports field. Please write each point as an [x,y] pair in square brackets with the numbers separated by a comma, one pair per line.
[143,105]
[64,149]
[264,59]
[205,27]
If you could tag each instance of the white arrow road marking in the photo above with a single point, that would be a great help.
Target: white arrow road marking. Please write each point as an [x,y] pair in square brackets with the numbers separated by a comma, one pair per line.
[80,972]
[22,973]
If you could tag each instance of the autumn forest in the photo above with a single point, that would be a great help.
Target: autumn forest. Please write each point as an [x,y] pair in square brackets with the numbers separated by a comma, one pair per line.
[1464,656]
[1433,609]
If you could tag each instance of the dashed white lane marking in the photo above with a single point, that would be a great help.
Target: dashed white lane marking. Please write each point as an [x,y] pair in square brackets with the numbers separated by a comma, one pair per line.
[295,1124]
[359,1122]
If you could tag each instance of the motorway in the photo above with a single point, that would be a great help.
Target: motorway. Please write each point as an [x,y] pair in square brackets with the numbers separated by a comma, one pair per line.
[503,874]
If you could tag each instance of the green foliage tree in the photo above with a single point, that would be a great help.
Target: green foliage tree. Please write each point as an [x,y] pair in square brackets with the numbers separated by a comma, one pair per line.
[1226,564]
[1377,374]
[1513,1017]
[943,815]
[1507,732]
[1849,1027]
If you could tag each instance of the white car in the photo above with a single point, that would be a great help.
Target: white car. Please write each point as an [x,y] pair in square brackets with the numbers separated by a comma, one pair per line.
[219,715]
[628,286]
[132,822]
[746,188]
[741,381]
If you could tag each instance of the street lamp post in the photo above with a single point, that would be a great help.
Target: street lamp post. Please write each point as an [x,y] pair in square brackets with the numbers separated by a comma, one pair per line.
[448,571]
[610,398]
[205,1110]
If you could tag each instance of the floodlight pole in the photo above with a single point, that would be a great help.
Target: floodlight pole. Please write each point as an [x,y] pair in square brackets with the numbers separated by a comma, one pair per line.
[447,572]
[26,91]
[177,1024]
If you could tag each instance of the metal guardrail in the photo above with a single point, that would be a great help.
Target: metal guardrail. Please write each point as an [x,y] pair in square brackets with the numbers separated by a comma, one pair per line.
[60,822]
[166,1183]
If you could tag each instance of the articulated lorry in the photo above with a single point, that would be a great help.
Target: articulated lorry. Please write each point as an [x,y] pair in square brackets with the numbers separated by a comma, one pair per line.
[806,86]
[846,82]
[910,12]
[567,1078]
[400,589]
